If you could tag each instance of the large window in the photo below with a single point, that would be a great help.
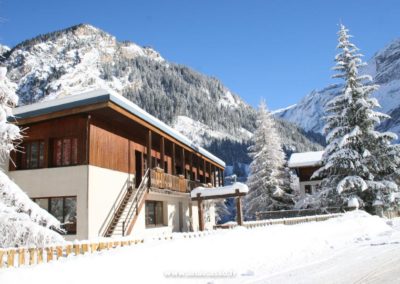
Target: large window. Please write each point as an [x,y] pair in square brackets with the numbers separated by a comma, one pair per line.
[65,152]
[32,155]
[154,213]
[62,208]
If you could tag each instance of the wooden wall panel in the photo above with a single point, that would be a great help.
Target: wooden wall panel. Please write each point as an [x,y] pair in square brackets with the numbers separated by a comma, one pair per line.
[72,126]
[108,150]
[306,173]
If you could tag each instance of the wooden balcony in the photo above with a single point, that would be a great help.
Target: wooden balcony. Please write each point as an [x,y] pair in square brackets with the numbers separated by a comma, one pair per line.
[161,180]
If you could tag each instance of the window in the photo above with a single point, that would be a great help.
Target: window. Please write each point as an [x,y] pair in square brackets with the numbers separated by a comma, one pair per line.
[32,155]
[308,189]
[63,209]
[154,213]
[65,152]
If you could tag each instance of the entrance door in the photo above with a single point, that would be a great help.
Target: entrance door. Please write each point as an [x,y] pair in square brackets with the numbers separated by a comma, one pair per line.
[139,167]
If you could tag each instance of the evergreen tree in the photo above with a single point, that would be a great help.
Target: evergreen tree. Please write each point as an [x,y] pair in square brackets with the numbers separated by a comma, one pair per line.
[268,179]
[359,162]
[22,222]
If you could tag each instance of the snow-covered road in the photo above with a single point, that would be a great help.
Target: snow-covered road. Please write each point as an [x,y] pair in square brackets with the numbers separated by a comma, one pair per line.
[354,248]
[374,262]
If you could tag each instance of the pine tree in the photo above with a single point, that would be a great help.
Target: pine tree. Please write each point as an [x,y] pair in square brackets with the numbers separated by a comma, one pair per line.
[22,222]
[268,180]
[359,162]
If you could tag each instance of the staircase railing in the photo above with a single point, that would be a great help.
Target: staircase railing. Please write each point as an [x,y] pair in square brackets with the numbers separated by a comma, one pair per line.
[114,209]
[137,198]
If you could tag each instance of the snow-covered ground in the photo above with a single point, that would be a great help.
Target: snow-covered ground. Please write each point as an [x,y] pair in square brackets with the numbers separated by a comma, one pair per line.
[354,248]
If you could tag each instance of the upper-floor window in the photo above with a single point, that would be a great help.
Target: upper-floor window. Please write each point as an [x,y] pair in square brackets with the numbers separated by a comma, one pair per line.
[65,151]
[31,155]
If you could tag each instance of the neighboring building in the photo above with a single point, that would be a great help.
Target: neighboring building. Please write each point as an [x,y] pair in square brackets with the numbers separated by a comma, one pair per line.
[105,167]
[305,165]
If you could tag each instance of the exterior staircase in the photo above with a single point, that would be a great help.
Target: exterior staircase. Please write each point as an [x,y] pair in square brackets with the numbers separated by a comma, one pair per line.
[128,210]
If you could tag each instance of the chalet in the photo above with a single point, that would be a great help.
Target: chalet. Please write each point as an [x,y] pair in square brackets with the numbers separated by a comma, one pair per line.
[305,165]
[105,167]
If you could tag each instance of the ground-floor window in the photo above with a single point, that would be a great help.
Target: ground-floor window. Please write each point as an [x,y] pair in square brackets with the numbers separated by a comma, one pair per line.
[308,189]
[154,213]
[62,208]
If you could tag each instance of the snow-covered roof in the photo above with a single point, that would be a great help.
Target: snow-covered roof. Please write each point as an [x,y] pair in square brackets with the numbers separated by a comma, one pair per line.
[98,96]
[306,159]
[218,191]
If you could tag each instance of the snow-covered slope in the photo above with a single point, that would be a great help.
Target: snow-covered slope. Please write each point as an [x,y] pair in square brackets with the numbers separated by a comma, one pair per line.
[384,67]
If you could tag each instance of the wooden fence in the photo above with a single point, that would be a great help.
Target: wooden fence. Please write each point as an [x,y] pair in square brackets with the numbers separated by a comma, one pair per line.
[282,221]
[18,257]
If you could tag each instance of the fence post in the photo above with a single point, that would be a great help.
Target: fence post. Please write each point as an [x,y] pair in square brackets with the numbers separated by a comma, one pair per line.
[84,248]
[21,257]
[39,255]
[49,253]
[1,257]
[59,251]
[10,257]
[93,247]
[68,250]
[32,256]
[77,249]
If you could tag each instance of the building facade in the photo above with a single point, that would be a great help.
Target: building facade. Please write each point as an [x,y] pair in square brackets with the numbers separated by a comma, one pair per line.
[305,164]
[105,167]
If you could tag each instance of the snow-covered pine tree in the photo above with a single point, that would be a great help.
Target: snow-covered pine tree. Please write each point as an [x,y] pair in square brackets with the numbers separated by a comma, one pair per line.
[268,180]
[22,222]
[358,161]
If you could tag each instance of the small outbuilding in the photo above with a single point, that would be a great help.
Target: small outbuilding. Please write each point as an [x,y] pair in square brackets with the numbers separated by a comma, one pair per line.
[305,164]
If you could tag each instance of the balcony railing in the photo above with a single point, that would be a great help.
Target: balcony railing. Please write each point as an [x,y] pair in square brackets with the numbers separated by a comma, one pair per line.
[159,179]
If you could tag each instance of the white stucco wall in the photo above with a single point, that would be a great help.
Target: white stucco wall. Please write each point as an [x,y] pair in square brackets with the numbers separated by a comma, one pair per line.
[171,215]
[104,187]
[54,182]
[97,190]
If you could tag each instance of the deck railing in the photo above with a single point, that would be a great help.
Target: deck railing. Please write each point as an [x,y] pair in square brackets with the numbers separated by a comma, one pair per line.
[159,179]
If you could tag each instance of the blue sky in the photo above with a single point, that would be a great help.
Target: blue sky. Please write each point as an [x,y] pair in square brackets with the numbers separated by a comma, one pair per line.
[279,50]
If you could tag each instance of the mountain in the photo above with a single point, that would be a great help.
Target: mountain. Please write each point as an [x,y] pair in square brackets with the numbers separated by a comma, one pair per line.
[83,57]
[384,67]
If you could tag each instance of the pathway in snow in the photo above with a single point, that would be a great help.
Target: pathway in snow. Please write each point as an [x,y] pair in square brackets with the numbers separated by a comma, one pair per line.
[354,248]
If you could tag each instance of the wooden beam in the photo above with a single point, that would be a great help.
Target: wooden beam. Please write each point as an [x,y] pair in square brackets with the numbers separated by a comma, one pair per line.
[61,113]
[204,171]
[239,209]
[162,154]
[149,143]
[222,177]
[215,176]
[191,166]
[201,214]
[183,164]
[173,159]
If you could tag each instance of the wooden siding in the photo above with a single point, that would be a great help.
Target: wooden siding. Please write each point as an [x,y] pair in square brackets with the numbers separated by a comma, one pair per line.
[73,126]
[109,150]
[306,173]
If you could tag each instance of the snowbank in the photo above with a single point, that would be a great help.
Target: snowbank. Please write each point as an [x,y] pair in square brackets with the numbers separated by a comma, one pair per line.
[238,255]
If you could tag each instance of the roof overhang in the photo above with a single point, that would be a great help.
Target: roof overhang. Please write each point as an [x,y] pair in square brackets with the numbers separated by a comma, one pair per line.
[96,99]
[306,159]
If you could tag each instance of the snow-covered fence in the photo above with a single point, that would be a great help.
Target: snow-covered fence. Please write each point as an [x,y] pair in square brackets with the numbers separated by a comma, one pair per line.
[291,221]
[264,215]
[17,257]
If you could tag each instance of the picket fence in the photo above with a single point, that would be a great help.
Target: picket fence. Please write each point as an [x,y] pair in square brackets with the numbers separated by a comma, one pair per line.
[18,257]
